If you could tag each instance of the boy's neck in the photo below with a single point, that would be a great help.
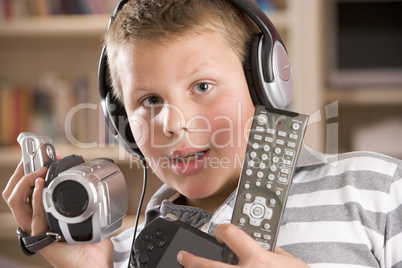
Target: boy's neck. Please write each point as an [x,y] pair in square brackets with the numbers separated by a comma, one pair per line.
[211,203]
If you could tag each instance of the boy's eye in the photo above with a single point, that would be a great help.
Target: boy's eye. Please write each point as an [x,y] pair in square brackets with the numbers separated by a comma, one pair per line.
[202,88]
[151,101]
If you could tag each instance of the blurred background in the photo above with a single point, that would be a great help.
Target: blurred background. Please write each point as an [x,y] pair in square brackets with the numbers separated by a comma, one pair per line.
[347,71]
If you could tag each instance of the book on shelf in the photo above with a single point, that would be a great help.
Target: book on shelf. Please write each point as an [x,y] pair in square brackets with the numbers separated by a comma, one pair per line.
[17,9]
[54,107]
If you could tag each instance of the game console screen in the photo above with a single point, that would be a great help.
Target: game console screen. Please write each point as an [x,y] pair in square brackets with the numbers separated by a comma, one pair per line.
[186,240]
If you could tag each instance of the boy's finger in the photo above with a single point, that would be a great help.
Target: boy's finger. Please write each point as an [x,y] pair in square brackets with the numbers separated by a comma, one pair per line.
[58,155]
[15,178]
[238,241]
[39,223]
[189,260]
[23,189]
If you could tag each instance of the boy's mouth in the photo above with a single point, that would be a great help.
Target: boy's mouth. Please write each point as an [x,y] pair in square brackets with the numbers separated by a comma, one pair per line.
[189,157]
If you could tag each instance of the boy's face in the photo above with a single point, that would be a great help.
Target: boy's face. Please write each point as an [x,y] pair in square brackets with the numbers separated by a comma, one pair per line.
[189,110]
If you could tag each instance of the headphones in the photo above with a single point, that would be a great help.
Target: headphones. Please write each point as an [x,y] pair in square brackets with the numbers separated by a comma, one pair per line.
[267,70]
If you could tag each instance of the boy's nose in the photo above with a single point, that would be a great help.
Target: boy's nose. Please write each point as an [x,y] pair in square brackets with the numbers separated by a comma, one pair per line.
[174,120]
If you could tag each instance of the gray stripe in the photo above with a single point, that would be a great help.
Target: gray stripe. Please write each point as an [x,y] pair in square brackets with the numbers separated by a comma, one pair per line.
[397,265]
[348,212]
[120,256]
[305,158]
[367,154]
[358,179]
[393,223]
[340,253]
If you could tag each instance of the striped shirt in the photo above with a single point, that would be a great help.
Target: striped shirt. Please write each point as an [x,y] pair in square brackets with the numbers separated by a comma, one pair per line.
[342,211]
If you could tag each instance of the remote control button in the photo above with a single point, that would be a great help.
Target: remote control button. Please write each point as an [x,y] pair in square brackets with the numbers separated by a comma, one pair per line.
[267,148]
[278,150]
[293,136]
[253,154]
[248,196]
[264,157]
[267,237]
[257,235]
[271,177]
[275,159]
[251,163]
[242,220]
[278,192]
[267,226]
[291,144]
[257,211]
[295,126]
[269,139]
[283,180]
[262,166]
[269,186]
[255,146]
[273,168]
[257,137]
[271,131]
[272,201]
[282,133]
[258,183]
[260,200]
[262,119]
[280,142]
[259,129]
[249,172]
[289,153]
[287,162]
[264,245]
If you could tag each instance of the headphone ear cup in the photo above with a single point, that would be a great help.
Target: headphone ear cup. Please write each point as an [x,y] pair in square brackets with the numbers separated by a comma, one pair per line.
[119,125]
[250,63]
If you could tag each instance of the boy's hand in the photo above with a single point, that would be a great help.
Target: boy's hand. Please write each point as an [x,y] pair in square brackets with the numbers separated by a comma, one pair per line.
[32,219]
[249,252]
[17,194]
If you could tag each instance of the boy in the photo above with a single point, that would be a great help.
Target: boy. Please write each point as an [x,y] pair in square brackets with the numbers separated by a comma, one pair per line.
[176,66]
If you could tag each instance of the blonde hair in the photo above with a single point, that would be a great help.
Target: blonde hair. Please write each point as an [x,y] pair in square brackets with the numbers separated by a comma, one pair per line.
[160,21]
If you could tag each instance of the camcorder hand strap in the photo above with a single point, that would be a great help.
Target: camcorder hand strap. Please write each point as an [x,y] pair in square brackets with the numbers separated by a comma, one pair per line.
[31,244]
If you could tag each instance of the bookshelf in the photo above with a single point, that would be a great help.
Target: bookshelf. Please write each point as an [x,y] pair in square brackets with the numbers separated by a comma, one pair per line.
[62,49]
[69,47]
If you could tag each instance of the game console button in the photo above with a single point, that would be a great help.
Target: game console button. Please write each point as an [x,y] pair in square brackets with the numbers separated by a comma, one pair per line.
[149,246]
[143,258]
[147,237]
[160,243]
[158,233]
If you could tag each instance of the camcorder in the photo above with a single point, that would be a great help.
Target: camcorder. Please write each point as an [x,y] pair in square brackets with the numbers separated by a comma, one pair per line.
[84,201]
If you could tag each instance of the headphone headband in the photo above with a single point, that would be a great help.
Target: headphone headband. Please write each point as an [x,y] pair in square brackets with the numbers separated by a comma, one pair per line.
[267,71]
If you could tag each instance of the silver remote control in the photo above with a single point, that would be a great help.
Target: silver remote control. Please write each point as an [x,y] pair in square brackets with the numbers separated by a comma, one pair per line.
[274,145]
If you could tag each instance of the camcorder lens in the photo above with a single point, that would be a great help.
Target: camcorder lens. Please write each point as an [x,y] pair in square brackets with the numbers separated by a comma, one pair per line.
[70,198]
